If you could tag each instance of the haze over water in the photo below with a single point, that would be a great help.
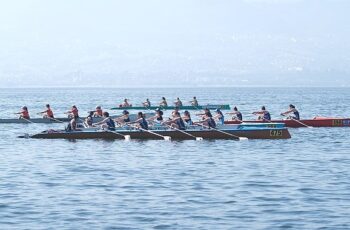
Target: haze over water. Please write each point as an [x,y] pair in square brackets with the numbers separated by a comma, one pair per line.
[159,43]
[246,53]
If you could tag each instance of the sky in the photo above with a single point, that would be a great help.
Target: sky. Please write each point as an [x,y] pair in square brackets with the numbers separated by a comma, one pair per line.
[174,43]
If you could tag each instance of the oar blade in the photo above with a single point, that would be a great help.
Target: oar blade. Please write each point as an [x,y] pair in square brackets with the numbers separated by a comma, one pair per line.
[199,138]
[167,138]
[243,138]
[127,137]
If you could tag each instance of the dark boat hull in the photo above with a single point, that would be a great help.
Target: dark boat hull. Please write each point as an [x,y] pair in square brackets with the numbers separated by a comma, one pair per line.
[175,135]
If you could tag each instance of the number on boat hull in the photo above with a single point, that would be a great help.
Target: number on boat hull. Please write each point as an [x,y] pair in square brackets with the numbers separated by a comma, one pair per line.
[346,123]
[276,133]
[337,123]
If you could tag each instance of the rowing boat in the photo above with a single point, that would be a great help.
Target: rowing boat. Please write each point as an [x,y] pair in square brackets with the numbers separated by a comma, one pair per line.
[186,107]
[34,120]
[316,122]
[61,120]
[224,132]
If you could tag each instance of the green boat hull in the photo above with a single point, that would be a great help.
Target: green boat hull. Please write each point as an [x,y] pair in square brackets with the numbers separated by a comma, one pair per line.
[187,107]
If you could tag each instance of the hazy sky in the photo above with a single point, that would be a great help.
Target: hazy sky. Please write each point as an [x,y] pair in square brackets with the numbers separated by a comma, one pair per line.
[174,43]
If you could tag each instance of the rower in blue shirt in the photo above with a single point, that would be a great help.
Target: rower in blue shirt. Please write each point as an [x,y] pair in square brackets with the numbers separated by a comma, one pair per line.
[236,115]
[219,116]
[264,115]
[294,113]
[107,122]
[141,121]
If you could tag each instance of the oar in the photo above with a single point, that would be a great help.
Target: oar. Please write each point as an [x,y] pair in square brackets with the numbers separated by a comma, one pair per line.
[126,137]
[188,134]
[226,133]
[27,120]
[310,127]
[167,138]
[54,119]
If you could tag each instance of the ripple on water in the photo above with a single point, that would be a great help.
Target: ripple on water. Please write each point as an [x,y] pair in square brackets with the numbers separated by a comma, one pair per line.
[301,183]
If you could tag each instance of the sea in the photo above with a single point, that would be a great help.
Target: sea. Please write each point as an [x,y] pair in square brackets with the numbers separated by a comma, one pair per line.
[299,183]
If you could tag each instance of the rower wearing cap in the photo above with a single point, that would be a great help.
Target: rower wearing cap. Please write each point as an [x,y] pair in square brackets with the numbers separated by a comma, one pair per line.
[125,103]
[163,102]
[147,103]
[194,102]
[264,115]
[178,102]
[292,110]
[107,122]
[141,121]
[124,118]
[74,112]
[236,115]
[24,113]
[219,116]
[98,112]
[47,113]
[187,118]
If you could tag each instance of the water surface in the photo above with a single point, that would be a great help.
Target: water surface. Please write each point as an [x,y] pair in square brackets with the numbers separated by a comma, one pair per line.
[301,183]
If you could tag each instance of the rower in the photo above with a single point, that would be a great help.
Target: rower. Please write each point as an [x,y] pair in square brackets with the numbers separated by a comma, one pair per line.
[236,115]
[147,103]
[163,102]
[73,124]
[125,103]
[294,111]
[141,121]
[178,102]
[74,112]
[124,118]
[107,122]
[264,115]
[207,120]
[206,110]
[158,117]
[89,119]
[194,102]
[48,112]
[24,113]
[176,122]
[176,110]
[98,112]
[219,116]
[187,118]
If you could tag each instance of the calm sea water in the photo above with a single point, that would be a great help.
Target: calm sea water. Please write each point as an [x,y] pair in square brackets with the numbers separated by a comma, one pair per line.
[301,183]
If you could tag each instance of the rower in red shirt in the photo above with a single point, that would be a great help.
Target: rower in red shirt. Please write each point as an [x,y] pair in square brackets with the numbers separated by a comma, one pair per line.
[48,112]
[24,113]
[73,113]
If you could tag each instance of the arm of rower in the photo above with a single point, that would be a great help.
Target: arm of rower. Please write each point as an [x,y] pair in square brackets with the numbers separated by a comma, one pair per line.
[287,112]
[101,122]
